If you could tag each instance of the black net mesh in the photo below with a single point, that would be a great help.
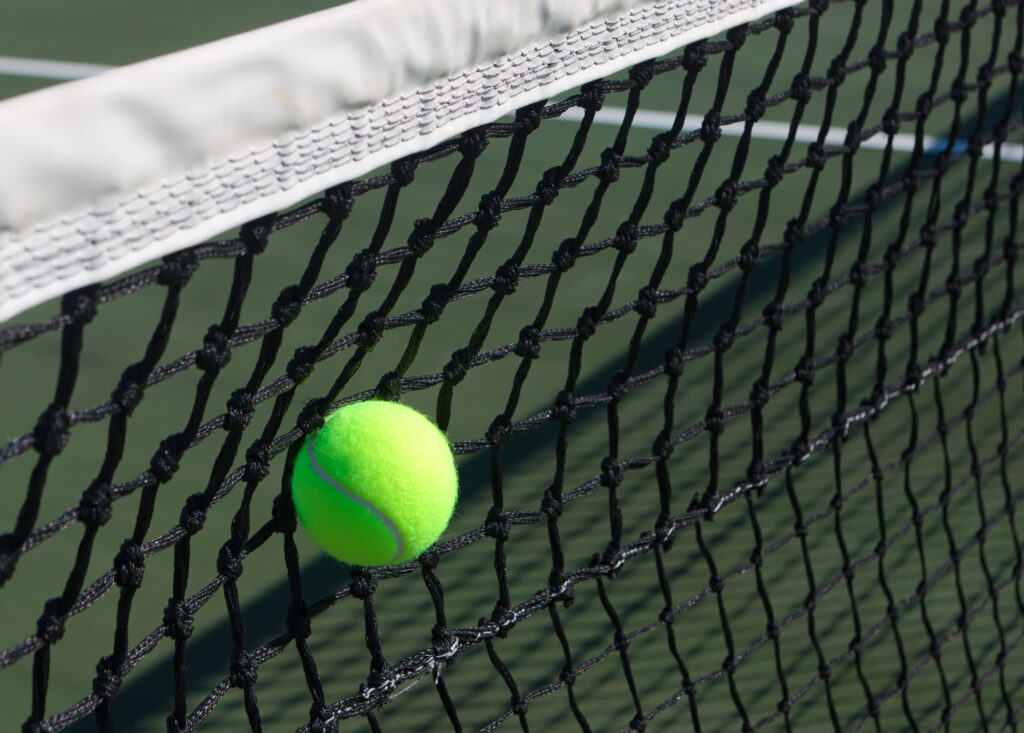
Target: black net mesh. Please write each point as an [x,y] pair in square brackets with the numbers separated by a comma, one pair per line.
[736,408]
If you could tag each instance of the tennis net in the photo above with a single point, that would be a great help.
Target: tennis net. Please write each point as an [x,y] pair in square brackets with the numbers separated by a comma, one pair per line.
[717,303]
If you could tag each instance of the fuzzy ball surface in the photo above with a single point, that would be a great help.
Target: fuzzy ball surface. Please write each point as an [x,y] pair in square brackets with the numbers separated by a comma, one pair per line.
[376,485]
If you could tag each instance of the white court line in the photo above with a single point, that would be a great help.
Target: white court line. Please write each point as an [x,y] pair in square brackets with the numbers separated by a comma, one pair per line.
[45,69]
[647,119]
[765,130]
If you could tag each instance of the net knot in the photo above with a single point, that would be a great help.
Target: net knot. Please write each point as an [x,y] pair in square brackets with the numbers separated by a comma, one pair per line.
[404,171]
[714,420]
[178,620]
[775,171]
[911,180]
[455,370]
[805,371]
[429,559]
[591,97]
[925,105]
[837,71]
[80,305]
[760,393]
[107,681]
[529,118]
[991,200]
[663,447]
[794,233]
[550,504]
[999,8]
[322,720]
[799,450]
[976,146]
[854,136]
[647,302]
[256,234]
[362,271]
[363,584]
[499,432]
[642,74]
[422,237]
[298,622]
[697,279]
[773,316]
[959,93]
[547,188]
[874,196]
[129,391]
[564,411]
[488,214]
[243,669]
[519,705]
[178,269]
[727,195]
[568,675]
[497,524]
[528,345]
[473,143]
[755,106]
[257,460]
[661,147]
[859,274]
[877,59]
[638,723]
[165,462]
[784,21]
[94,509]
[954,286]
[311,417]
[757,474]
[284,514]
[129,565]
[724,338]
[586,325]
[674,362]
[338,202]
[216,351]
[626,238]
[675,215]
[816,157]
[288,305]
[1010,250]
[565,256]
[229,563]
[618,385]
[444,642]
[695,57]
[737,36]
[610,167]
[711,127]
[371,330]
[506,278]
[33,725]
[802,88]
[50,626]
[816,295]
[611,473]
[389,387]
[241,406]
[193,514]
[433,305]
[51,432]
[689,687]
[1016,63]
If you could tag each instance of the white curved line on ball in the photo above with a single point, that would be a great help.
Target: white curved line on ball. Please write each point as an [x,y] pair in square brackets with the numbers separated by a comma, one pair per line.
[385,520]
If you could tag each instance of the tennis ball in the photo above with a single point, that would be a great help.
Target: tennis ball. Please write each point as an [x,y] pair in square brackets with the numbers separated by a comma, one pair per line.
[376,485]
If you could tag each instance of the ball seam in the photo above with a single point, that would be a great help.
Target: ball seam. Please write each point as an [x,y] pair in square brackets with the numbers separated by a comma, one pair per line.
[384,518]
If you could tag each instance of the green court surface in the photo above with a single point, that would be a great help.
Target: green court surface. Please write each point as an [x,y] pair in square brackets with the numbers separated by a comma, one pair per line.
[901,583]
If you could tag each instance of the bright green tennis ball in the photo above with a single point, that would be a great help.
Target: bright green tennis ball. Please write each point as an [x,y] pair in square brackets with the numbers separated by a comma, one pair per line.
[376,485]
